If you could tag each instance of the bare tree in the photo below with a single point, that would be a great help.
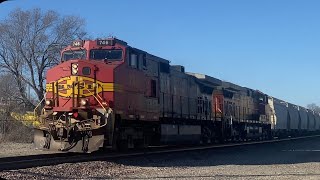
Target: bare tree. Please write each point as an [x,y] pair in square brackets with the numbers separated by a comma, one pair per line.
[7,88]
[28,46]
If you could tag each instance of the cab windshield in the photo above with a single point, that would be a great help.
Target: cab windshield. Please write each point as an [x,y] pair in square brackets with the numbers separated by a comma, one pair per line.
[106,54]
[77,54]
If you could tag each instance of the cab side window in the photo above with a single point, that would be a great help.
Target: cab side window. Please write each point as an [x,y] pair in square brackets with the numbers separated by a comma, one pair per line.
[144,60]
[137,59]
[133,60]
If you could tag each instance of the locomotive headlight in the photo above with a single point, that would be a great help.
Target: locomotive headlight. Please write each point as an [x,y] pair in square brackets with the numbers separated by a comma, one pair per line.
[74,69]
[83,102]
[48,102]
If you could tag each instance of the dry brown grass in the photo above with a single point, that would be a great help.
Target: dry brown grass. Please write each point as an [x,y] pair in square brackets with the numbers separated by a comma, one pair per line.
[16,131]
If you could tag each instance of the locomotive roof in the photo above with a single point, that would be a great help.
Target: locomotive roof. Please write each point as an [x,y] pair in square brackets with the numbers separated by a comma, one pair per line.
[231,86]
[151,56]
[206,79]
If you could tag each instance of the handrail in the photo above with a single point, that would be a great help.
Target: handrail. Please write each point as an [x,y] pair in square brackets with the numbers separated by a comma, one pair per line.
[98,93]
[84,85]
[34,111]
[108,112]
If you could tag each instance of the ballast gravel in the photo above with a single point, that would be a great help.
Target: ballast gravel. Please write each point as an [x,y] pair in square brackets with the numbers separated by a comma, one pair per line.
[110,170]
[10,149]
[299,159]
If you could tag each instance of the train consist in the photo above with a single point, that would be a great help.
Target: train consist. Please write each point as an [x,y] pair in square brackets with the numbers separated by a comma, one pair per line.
[105,93]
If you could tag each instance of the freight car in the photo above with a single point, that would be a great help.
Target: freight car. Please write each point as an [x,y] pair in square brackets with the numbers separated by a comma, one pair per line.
[105,93]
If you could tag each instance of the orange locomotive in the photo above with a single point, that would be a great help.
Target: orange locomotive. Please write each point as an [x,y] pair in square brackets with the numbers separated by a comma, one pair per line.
[105,93]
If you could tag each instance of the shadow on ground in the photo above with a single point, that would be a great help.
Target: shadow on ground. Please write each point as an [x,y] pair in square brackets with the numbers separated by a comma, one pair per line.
[287,152]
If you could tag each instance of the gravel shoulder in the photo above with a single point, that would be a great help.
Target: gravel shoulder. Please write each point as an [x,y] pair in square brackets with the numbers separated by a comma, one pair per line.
[9,149]
[299,159]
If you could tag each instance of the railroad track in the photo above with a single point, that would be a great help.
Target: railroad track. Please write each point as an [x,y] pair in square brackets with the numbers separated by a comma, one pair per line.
[21,162]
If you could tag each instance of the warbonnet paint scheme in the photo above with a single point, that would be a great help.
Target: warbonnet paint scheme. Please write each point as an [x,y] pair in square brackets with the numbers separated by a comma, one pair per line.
[107,94]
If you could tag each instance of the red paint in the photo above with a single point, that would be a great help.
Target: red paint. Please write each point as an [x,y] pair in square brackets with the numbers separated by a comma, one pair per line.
[104,73]
[75,114]
[131,100]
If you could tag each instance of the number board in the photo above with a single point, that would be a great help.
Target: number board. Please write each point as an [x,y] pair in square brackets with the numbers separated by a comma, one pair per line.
[77,43]
[101,42]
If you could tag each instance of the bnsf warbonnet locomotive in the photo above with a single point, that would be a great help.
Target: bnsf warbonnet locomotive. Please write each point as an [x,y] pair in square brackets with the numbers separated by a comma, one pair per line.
[105,93]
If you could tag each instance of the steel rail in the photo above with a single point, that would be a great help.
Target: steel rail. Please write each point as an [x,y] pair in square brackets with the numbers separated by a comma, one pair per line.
[11,163]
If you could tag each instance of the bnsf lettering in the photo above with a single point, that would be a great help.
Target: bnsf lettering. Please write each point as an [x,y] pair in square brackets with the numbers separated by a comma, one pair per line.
[61,87]
[69,86]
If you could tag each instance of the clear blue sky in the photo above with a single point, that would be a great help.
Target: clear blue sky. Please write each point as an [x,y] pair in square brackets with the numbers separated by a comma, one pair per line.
[269,45]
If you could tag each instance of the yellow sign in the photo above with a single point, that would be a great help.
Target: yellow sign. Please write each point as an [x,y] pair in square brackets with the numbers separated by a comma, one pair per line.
[80,85]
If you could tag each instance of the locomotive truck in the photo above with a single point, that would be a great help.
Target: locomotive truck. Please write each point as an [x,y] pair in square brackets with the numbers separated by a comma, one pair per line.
[107,94]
